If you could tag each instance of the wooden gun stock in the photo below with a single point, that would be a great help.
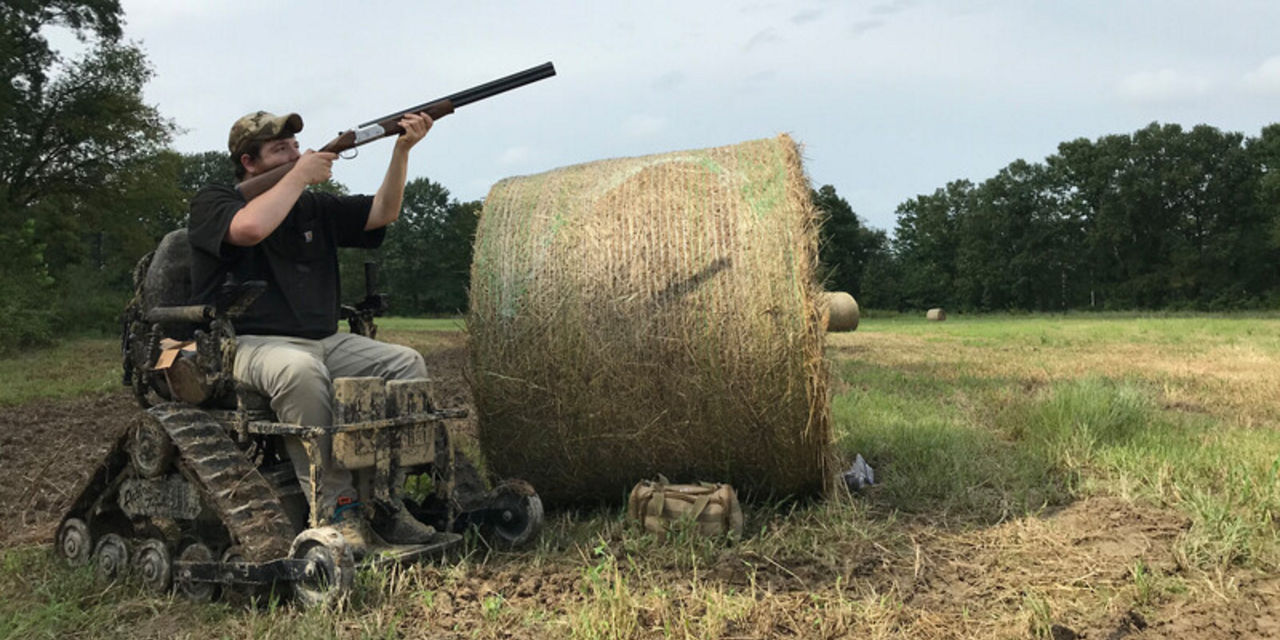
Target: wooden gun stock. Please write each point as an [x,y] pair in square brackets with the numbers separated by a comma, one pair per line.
[388,125]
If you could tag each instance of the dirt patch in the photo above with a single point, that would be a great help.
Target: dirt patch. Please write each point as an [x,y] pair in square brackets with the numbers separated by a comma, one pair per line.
[448,365]
[1251,611]
[47,449]
[1013,571]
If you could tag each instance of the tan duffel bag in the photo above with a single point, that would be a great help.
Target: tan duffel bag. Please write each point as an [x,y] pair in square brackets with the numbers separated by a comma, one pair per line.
[713,508]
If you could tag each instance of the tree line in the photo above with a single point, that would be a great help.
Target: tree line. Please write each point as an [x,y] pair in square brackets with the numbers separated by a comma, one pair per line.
[1162,218]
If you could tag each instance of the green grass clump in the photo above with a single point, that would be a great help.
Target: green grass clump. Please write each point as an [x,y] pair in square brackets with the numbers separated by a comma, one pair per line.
[72,368]
[1226,479]
[930,455]
[422,324]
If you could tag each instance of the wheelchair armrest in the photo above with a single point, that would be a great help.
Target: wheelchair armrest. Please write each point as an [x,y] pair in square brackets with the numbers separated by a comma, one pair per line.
[188,314]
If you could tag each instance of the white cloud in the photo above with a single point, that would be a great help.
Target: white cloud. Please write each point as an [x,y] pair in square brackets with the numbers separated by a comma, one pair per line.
[154,14]
[643,125]
[513,155]
[1266,78]
[768,36]
[862,26]
[808,15]
[668,81]
[890,8]
[480,186]
[1165,85]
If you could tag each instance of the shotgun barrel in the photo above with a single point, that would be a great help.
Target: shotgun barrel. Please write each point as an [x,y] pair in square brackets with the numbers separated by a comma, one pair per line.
[480,92]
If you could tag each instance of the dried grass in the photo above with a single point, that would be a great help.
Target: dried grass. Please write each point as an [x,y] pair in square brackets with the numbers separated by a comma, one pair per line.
[651,315]
[1233,382]
[840,312]
[936,314]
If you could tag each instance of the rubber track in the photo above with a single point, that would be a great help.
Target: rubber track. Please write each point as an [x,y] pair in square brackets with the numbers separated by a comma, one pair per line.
[245,501]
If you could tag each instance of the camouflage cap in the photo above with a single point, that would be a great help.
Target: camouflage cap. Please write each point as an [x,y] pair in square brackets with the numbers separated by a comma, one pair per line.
[261,125]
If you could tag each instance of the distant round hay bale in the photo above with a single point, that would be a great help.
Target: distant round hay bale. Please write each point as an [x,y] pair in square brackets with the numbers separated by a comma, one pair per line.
[650,315]
[840,311]
[936,314]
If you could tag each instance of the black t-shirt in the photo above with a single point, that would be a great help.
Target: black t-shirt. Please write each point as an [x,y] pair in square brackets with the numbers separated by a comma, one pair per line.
[299,260]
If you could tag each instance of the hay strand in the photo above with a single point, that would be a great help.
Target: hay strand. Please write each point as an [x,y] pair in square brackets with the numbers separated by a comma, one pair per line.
[651,315]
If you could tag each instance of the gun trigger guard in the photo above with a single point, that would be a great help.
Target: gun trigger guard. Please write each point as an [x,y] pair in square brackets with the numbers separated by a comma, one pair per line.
[355,151]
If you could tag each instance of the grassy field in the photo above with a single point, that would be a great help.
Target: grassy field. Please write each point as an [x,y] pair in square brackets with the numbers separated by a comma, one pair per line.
[1040,476]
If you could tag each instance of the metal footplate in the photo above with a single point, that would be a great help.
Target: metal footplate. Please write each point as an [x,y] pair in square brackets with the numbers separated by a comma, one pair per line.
[380,556]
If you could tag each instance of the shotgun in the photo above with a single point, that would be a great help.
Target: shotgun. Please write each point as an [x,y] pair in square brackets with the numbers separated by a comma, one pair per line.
[387,126]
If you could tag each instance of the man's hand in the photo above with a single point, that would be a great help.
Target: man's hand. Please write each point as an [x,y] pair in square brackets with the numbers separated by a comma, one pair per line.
[416,126]
[386,202]
[314,167]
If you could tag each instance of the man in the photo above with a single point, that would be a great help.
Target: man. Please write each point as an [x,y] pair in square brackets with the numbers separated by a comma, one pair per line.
[288,345]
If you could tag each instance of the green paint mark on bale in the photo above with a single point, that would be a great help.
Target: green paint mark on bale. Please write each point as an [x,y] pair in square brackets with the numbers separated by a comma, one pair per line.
[667,322]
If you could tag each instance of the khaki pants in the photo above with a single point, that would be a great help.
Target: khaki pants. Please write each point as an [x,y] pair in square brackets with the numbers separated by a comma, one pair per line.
[297,374]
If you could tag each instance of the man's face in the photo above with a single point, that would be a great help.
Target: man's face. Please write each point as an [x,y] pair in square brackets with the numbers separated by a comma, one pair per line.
[273,154]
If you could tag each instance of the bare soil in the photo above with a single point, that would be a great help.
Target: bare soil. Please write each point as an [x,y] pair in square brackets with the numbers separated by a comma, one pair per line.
[47,450]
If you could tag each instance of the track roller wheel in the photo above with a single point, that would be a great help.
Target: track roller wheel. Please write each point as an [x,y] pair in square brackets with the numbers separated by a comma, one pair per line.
[111,558]
[195,591]
[233,553]
[152,566]
[517,515]
[239,593]
[331,567]
[151,450]
[74,542]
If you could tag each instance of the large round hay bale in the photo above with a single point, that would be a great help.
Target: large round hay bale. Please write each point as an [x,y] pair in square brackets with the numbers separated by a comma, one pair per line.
[651,315]
[840,311]
[936,314]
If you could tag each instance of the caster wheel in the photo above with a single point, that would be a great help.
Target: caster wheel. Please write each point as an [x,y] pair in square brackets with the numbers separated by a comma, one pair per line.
[517,515]
[331,567]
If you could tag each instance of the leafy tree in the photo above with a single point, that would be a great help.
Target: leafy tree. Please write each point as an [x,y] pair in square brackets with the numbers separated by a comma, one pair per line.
[882,281]
[428,257]
[926,241]
[209,167]
[74,131]
[1016,248]
[425,261]
[1265,154]
[847,245]
[1171,217]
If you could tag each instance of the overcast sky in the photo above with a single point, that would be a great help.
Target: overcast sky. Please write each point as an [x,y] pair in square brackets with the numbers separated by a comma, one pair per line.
[890,99]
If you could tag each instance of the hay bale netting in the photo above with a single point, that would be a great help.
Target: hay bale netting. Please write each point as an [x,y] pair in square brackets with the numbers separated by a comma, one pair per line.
[651,315]
[936,314]
[840,312]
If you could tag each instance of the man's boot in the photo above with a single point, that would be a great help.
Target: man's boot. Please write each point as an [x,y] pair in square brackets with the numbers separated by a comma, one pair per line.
[396,525]
[349,520]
